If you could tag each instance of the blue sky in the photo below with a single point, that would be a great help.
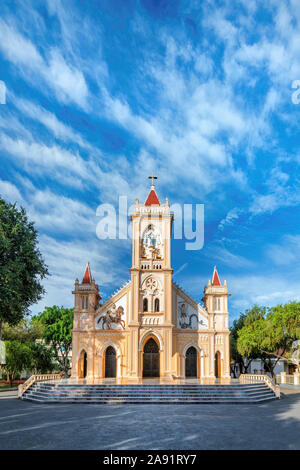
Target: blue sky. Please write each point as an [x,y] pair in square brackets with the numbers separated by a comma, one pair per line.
[101,93]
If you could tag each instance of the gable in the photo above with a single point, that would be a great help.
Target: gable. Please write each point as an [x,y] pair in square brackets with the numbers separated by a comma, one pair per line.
[120,299]
[189,314]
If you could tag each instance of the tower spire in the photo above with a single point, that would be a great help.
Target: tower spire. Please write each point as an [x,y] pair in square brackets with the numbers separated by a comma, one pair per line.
[152,198]
[215,279]
[87,277]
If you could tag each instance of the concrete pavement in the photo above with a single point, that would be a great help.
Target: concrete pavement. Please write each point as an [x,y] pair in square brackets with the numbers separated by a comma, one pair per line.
[273,425]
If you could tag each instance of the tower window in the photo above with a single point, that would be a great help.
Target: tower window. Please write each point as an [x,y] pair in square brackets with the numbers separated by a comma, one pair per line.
[145,305]
[217,304]
[84,302]
[156,305]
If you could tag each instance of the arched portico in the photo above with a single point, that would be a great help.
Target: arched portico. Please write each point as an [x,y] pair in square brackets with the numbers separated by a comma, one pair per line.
[199,359]
[110,364]
[151,358]
[150,350]
[155,336]
[103,358]
[218,365]
[82,364]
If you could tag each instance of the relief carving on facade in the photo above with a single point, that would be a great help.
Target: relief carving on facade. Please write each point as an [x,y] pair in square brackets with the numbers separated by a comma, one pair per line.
[111,317]
[84,321]
[185,318]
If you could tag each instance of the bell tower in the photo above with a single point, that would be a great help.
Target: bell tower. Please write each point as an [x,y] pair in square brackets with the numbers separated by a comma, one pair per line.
[151,272]
[216,303]
[86,295]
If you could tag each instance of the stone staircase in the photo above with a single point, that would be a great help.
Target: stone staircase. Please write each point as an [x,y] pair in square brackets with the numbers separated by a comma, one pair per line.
[47,392]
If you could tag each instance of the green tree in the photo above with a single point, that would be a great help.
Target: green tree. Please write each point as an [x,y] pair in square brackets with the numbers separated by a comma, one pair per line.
[269,333]
[58,324]
[30,333]
[25,331]
[243,361]
[21,264]
[18,358]
[42,359]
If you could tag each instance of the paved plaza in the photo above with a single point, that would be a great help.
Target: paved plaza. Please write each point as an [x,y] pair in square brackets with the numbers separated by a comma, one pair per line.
[273,425]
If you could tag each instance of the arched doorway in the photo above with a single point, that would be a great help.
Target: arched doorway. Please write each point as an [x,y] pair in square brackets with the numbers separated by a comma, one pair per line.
[82,365]
[151,359]
[191,362]
[218,365]
[110,362]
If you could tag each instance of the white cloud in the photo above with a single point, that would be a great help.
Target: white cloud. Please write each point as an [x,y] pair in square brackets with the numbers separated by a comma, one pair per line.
[37,157]
[62,77]
[50,121]
[286,253]
[58,214]
[18,49]
[217,252]
[267,290]
[9,192]
[68,82]
[230,218]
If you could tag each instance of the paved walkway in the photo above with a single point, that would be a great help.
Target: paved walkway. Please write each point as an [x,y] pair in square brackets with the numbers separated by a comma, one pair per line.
[25,425]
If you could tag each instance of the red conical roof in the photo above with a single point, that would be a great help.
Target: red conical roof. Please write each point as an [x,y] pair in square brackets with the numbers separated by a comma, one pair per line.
[215,279]
[87,277]
[152,198]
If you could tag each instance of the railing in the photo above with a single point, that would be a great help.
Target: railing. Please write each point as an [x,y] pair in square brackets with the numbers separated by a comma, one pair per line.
[289,379]
[252,378]
[36,378]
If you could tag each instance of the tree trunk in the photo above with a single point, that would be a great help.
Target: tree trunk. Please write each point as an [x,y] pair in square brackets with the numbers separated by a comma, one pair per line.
[0,329]
[10,378]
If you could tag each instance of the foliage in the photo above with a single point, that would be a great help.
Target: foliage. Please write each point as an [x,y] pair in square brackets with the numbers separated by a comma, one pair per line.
[29,333]
[18,358]
[42,358]
[268,333]
[25,330]
[58,324]
[243,361]
[21,264]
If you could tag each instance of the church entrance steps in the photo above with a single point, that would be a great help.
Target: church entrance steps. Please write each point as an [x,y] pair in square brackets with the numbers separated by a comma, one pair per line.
[157,394]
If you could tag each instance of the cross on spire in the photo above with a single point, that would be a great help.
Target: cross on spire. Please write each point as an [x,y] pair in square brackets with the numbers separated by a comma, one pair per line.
[152,177]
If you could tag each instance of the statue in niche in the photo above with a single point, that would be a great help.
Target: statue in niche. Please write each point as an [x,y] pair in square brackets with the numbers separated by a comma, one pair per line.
[151,244]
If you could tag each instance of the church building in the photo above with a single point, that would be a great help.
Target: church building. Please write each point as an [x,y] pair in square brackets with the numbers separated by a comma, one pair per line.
[151,327]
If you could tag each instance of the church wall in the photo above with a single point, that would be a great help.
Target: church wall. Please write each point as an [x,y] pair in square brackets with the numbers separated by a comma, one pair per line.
[179,323]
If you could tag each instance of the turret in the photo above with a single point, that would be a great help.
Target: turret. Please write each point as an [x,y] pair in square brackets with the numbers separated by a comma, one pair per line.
[215,301]
[86,300]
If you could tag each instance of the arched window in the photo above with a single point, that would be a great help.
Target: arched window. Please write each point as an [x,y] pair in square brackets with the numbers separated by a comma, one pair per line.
[145,305]
[217,304]
[156,305]
[84,302]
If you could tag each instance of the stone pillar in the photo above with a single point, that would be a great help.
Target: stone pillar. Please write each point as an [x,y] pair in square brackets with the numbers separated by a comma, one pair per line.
[226,356]
[283,377]
[211,355]
[297,378]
